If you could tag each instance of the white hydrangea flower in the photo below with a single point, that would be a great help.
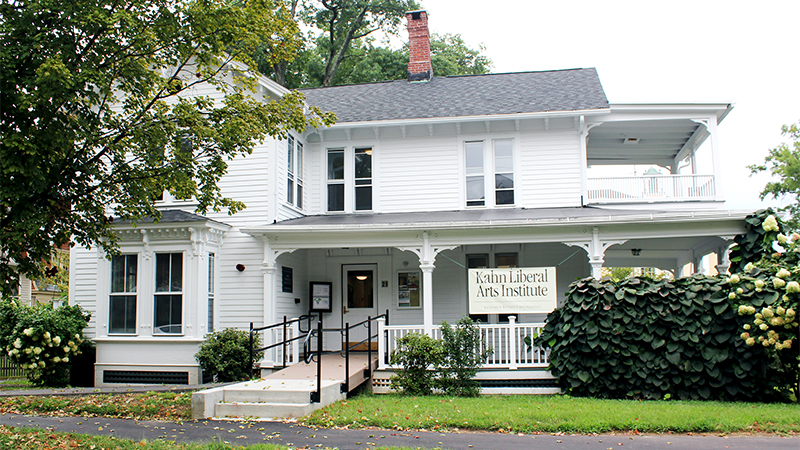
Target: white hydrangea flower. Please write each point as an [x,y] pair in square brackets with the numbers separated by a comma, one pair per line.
[793,287]
[28,332]
[778,283]
[57,340]
[759,284]
[770,223]
[782,239]
[783,273]
[734,279]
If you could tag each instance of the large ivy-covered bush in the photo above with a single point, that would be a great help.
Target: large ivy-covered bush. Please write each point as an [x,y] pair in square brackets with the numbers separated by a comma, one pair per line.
[642,338]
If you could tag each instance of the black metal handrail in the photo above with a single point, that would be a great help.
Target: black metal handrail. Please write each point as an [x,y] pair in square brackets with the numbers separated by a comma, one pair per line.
[346,348]
[284,342]
[316,355]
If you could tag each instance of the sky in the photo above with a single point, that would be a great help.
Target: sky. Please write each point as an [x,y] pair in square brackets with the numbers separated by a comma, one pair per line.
[700,51]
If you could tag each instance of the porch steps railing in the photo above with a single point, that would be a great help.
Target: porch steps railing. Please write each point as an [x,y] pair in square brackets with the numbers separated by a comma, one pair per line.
[651,188]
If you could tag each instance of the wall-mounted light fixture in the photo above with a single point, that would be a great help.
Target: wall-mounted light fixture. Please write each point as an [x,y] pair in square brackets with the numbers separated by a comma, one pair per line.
[240,267]
[361,277]
[636,251]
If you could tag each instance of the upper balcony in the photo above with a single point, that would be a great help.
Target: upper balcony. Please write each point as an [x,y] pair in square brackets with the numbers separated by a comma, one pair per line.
[642,136]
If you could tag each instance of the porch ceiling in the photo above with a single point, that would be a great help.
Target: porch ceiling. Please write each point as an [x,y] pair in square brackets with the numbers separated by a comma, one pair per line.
[660,142]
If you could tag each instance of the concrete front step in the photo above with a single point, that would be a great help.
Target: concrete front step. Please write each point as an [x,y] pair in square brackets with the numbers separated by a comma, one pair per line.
[264,410]
[264,398]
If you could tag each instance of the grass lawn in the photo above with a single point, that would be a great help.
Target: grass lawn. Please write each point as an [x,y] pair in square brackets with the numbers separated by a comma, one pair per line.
[11,384]
[175,406]
[528,413]
[513,413]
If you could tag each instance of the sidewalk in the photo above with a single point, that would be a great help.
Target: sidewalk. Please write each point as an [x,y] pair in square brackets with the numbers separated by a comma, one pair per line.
[241,433]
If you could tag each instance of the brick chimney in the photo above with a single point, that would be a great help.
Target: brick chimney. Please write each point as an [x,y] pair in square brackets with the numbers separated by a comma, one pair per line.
[419,46]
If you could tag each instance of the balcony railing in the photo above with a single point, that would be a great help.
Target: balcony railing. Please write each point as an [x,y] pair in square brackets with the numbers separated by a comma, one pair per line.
[651,188]
[507,341]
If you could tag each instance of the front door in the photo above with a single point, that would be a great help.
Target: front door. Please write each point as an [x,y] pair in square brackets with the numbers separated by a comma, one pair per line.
[359,298]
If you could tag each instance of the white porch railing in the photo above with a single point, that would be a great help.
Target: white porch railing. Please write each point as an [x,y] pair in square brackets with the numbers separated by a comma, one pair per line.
[651,188]
[507,341]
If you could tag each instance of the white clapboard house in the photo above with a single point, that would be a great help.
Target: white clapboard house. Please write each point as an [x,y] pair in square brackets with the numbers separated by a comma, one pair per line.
[419,181]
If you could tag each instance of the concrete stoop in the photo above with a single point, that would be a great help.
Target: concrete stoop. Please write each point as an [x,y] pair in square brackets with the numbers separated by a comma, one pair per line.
[264,399]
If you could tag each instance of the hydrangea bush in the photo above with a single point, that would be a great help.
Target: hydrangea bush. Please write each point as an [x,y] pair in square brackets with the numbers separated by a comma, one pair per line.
[768,295]
[42,339]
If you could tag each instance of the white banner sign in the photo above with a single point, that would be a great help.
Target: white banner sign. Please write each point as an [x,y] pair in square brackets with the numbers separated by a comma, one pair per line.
[512,291]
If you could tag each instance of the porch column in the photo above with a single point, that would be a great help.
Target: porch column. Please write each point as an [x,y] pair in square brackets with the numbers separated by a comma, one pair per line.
[722,259]
[596,249]
[427,255]
[716,159]
[268,271]
[427,297]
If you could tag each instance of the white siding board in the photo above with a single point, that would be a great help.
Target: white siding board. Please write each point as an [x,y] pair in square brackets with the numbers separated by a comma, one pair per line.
[549,174]
[83,288]
[419,174]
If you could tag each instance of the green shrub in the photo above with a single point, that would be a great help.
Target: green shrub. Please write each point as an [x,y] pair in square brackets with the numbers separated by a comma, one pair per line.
[42,339]
[461,358]
[642,338]
[767,293]
[418,354]
[226,354]
[756,242]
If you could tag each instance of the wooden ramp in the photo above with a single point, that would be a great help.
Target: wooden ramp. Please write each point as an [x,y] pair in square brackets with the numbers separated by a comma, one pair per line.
[333,367]
[286,393]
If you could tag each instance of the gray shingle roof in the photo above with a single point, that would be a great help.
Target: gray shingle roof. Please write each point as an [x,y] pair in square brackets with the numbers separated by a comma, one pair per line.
[465,95]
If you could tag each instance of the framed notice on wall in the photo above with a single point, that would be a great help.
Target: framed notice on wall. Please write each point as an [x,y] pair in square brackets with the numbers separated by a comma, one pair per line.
[320,293]
[409,294]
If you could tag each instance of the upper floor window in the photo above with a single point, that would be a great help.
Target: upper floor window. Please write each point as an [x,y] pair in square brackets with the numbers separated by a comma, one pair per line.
[168,298]
[294,173]
[349,179]
[123,298]
[489,169]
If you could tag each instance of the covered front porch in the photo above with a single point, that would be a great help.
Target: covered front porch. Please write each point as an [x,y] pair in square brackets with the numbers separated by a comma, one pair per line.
[415,266]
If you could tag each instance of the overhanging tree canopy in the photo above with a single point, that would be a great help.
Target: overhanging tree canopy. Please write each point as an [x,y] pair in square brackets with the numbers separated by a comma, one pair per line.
[96,116]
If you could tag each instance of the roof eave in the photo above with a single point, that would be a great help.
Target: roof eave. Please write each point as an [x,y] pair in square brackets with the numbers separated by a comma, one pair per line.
[678,216]
[478,118]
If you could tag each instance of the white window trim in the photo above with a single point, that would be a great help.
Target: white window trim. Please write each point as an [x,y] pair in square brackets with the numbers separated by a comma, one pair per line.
[297,176]
[489,190]
[137,294]
[183,292]
[349,177]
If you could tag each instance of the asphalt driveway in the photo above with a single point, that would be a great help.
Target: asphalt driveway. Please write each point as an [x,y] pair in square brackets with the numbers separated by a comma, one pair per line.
[298,436]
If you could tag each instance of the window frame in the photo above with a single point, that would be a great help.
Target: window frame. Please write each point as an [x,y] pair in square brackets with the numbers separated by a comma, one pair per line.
[125,294]
[170,294]
[351,189]
[489,173]
[294,173]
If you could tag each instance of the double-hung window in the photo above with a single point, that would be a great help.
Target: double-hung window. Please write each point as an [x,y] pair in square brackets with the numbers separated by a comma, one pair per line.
[489,169]
[168,298]
[122,301]
[294,177]
[349,179]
